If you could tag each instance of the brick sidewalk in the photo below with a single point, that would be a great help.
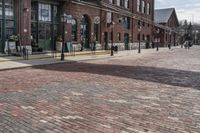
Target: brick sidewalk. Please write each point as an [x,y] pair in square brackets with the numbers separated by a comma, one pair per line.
[19,63]
[137,93]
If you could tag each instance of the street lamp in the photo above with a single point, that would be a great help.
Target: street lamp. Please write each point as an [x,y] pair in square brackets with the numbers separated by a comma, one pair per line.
[139,29]
[170,32]
[111,25]
[63,20]
[157,44]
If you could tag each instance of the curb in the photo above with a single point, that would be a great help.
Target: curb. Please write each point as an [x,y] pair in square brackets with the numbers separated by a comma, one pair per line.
[66,61]
[56,56]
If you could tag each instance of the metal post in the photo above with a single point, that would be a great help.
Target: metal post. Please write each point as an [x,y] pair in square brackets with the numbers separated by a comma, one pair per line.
[157,43]
[63,39]
[26,54]
[112,53]
[157,46]
[139,49]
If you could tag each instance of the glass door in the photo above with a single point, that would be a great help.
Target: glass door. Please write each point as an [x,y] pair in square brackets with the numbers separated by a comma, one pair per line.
[45,38]
[85,32]
[126,41]
[45,24]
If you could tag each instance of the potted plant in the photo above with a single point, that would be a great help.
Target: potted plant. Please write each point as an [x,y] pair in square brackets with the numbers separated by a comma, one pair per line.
[59,43]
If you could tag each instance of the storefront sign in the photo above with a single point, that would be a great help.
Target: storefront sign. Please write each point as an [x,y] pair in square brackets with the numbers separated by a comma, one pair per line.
[44,13]
[69,19]
[97,20]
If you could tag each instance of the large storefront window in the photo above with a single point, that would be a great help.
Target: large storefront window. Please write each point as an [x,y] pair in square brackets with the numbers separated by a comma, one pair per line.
[74,30]
[7,21]
[85,32]
[9,9]
[45,12]
[44,25]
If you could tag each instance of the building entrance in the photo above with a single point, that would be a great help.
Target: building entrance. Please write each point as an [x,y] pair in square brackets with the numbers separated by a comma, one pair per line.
[85,31]
[126,41]
[44,27]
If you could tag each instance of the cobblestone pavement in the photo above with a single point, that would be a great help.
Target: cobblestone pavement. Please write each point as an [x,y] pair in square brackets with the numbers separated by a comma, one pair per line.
[152,93]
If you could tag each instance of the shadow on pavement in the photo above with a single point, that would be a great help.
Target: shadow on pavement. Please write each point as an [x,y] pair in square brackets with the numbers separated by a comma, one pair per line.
[172,77]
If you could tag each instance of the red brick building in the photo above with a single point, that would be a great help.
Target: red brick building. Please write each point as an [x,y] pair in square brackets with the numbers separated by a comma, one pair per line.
[118,22]
[38,23]
[165,28]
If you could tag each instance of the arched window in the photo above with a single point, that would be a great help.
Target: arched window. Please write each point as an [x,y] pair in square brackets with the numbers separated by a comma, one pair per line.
[118,2]
[138,5]
[74,30]
[143,7]
[126,3]
[148,9]
[118,36]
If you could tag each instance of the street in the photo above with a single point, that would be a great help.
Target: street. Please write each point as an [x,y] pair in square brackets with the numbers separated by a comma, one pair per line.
[151,93]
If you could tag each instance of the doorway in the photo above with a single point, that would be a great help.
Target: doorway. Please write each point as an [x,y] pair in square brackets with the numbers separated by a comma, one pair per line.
[44,27]
[85,31]
[126,41]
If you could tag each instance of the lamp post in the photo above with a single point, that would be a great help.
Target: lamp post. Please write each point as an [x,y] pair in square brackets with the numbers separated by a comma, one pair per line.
[157,43]
[139,38]
[63,20]
[112,27]
[170,39]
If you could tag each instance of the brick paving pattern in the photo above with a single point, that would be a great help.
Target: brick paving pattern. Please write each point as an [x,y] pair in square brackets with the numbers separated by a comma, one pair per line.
[154,93]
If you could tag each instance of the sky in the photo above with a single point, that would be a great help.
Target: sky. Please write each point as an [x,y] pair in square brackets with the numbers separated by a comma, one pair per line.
[185,9]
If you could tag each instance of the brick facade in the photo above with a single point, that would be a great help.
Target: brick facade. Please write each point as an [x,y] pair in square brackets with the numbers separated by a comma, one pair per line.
[90,9]
[167,30]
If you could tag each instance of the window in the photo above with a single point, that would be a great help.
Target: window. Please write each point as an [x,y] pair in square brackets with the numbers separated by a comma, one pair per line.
[143,24]
[9,28]
[44,12]
[126,22]
[139,23]
[9,9]
[118,2]
[110,1]
[109,17]
[143,7]
[96,31]
[122,2]
[148,9]
[55,14]
[7,17]
[138,5]
[118,36]
[126,4]
[74,30]
[143,37]
[44,26]
[34,12]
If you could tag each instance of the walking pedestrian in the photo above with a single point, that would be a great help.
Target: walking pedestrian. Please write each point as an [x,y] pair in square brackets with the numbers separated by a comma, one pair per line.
[169,46]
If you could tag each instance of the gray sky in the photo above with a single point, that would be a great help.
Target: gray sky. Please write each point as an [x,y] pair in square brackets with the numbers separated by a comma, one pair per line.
[186,9]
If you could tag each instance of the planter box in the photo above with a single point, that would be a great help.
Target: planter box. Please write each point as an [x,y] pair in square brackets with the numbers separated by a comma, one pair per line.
[59,46]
